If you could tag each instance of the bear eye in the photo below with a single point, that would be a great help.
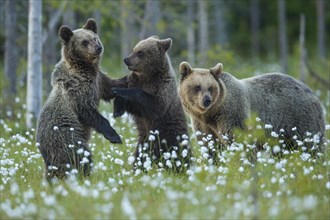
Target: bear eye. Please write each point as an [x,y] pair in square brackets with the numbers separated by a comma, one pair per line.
[210,89]
[197,88]
[140,54]
[84,43]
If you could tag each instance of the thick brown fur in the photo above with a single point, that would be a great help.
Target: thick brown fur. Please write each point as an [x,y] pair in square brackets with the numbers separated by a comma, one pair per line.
[217,102]
[71,110]
[152,99]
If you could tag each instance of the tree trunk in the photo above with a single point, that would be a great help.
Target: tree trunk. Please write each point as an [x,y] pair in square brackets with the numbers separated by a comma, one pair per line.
[220,23]
[125,29]
[203,33]
[150,20]
[302,49]
[191,41]
[49,43]
[34,79]
[69,16]
[282,35]
[320,28]
[10,62]
[255,27]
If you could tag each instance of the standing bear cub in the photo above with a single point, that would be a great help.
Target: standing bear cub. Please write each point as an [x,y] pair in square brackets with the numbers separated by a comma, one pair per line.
[153,101]
[217,102]
[71,110]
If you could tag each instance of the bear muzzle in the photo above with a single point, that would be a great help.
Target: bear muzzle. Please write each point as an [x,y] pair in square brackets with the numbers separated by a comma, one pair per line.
[99,49]
[126,61]
[206,101]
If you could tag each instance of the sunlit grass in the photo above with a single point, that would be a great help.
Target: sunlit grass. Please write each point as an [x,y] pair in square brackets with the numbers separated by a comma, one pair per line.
[295,185]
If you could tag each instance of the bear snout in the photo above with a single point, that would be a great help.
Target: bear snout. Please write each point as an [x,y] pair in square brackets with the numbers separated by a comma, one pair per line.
[99,49]
[126,61]
[206,101]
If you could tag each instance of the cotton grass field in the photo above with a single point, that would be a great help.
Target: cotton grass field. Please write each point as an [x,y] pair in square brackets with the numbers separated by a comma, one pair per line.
[293,186]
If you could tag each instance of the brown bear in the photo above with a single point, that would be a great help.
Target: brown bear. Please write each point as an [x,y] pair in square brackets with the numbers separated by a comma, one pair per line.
[217,102]
[71,110]
[153,101]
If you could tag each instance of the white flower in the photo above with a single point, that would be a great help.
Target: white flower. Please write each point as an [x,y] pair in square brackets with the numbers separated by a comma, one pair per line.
[86,153]
[71,129]
[305,156]
[168,163]
[274,134]
[268,126]
[178,163]
[241,169]
[258,119]
[184,153]
[167,155]
[50,200]
[174,155]
[131,160]
[119,161]
[152,138]
[276,149]
[80,150]
[84,160]
[55,128]
[294,129]
[185,142]
[147,164]
[327,185]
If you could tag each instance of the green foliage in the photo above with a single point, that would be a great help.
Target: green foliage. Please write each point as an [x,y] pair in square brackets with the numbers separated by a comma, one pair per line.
[294,186]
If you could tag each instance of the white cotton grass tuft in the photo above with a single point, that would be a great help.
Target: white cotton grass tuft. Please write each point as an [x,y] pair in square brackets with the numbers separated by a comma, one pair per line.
[127,207]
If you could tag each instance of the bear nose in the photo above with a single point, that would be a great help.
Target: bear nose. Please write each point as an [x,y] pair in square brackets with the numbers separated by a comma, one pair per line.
[99,49]
[126,61]
[206,101]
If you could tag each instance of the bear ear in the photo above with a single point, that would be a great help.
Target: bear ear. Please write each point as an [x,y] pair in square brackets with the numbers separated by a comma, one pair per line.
[65,33]
[185,69]
[217,70]
[91,25]
[165,44]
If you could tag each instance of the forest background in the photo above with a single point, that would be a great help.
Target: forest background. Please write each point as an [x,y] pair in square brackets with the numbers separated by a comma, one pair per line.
[249,37]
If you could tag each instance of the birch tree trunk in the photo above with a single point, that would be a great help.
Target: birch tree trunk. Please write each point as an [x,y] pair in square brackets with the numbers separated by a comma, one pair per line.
[203,33]
[321,28]
[34,79]
[10,62]
[282,36]
[191,41]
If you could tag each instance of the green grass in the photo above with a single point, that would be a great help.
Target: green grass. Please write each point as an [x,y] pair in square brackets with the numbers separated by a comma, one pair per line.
[290,187]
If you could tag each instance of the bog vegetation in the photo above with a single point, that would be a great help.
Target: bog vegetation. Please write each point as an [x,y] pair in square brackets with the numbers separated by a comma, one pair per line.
[294,185]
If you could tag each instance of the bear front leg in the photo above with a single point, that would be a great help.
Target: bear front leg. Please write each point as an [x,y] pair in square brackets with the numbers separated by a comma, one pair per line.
[139,102]
[106,84]
[91,117]
[119,106]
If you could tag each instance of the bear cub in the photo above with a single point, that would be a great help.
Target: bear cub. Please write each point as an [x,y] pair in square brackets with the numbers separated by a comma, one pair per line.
[217,102]
[152,99]
[71,110]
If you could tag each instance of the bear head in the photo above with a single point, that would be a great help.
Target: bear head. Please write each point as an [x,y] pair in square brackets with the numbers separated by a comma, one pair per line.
[200,89]
[149,55]
[81,45]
